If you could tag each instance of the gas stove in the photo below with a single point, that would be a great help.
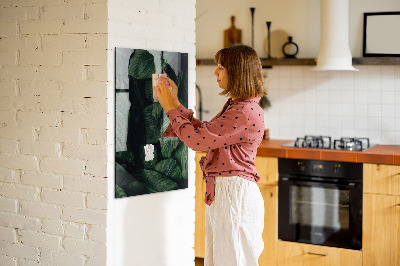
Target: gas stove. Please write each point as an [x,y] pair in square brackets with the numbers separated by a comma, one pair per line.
[325,142]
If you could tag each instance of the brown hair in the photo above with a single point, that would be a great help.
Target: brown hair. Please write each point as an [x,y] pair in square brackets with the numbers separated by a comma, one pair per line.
[245,78]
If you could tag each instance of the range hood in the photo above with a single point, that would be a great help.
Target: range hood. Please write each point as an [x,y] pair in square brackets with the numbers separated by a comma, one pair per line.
[334,51]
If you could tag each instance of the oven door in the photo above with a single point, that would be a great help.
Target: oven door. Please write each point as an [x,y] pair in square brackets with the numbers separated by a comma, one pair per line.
[320,212]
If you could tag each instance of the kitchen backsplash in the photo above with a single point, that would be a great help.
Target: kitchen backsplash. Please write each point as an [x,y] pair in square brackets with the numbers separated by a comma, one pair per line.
[337,104]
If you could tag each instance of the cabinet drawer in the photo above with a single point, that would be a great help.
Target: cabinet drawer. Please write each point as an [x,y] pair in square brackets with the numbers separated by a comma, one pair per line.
[381,179]
[294,254]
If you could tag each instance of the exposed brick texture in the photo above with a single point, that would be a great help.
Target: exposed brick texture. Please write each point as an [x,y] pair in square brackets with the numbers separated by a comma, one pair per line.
[53,55]
[55,85]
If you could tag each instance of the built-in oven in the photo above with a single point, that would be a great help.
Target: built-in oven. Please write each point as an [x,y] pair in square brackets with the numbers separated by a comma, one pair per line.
[320,202]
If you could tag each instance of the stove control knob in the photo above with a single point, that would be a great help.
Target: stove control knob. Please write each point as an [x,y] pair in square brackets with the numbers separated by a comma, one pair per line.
[336,169]
[302,167]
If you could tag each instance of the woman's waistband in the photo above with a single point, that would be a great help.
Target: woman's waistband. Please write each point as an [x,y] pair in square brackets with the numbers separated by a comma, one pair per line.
[229,179]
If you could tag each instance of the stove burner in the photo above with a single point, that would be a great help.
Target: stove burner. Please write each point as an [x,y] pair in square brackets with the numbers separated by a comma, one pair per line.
[351,144]
[324,142]
[308,141]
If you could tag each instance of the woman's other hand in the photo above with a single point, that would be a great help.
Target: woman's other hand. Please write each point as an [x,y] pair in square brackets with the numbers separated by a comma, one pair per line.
[164,95]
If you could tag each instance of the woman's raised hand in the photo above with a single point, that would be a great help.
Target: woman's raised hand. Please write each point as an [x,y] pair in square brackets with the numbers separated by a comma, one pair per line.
[174,90]
[164,94]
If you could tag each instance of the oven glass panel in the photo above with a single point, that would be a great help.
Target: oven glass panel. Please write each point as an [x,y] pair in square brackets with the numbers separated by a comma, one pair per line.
[324,211]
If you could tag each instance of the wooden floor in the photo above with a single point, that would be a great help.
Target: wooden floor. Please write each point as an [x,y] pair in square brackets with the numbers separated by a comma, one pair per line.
[199,262]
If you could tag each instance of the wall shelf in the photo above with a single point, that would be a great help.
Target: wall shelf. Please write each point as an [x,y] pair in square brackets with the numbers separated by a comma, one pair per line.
[312,61]
[376,61]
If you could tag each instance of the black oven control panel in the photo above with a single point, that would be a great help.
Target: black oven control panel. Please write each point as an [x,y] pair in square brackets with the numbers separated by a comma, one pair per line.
[330,169]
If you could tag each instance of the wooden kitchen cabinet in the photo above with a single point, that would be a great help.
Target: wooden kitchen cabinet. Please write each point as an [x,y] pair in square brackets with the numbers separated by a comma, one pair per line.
[200,207]
[267,168]
[381,230]
[381,215]
[381,179]
[270,233]
[298,254]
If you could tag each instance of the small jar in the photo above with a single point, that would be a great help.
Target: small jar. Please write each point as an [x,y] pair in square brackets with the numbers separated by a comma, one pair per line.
[266,134]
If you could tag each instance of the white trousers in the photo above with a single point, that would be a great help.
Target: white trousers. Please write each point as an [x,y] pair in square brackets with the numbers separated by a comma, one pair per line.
[234,223]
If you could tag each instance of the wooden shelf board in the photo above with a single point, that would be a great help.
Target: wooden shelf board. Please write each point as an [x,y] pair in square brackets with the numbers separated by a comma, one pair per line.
[312,61]
[376,61]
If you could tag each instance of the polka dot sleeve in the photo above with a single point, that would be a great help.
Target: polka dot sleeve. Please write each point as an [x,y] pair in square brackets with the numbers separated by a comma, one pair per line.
[186,113]
[225,130]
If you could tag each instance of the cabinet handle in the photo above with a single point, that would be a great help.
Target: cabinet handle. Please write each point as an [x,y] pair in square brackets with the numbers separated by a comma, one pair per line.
[318,254]
[398,204]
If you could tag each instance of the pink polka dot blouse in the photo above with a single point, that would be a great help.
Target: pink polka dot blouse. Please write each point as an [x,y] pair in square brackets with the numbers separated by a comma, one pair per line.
[231,139]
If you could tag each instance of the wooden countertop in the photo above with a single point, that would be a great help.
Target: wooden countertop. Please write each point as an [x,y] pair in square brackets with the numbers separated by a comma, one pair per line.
[379,154]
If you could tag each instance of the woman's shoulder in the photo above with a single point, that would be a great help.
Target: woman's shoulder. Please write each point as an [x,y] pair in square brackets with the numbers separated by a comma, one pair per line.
[248,104]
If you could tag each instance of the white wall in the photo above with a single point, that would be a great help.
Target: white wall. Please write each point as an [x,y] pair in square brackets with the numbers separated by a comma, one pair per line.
[298,18]
[155,229]
[338,104]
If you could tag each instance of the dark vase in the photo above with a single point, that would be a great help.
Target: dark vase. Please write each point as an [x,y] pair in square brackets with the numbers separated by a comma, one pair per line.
[290,49]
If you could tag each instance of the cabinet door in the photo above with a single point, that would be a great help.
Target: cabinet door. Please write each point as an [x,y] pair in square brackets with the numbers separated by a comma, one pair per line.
[267,168]
[270,233]
[297,254]
[381,179]
[200,207]
[381,230]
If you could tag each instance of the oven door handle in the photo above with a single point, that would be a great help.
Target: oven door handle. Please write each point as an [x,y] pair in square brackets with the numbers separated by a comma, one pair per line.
[329,184]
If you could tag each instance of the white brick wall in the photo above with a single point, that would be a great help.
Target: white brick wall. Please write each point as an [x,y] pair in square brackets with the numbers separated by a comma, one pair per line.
[75,230]
[53,105]
[54,133]
[61,258]
[8,234]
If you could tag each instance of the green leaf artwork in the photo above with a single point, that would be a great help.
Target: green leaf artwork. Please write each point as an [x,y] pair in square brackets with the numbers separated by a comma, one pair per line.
[152,122]
[156,182]
[146,162]
[181,156]
[141,65]
[168,145]
[148,89]
[136,188]
[125,157]
[119,192]
[170,168]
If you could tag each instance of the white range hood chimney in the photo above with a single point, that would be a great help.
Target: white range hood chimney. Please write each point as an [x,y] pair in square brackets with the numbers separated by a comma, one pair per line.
[334,51]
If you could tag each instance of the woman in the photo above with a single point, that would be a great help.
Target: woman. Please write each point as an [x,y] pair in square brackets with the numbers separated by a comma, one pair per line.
[235,207]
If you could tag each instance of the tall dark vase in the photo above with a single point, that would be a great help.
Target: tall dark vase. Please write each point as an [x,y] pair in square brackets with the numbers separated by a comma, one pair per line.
[269,38]
[252,9]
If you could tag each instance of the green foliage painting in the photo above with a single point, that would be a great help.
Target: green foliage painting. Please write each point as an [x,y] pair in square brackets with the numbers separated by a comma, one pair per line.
[144,161]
